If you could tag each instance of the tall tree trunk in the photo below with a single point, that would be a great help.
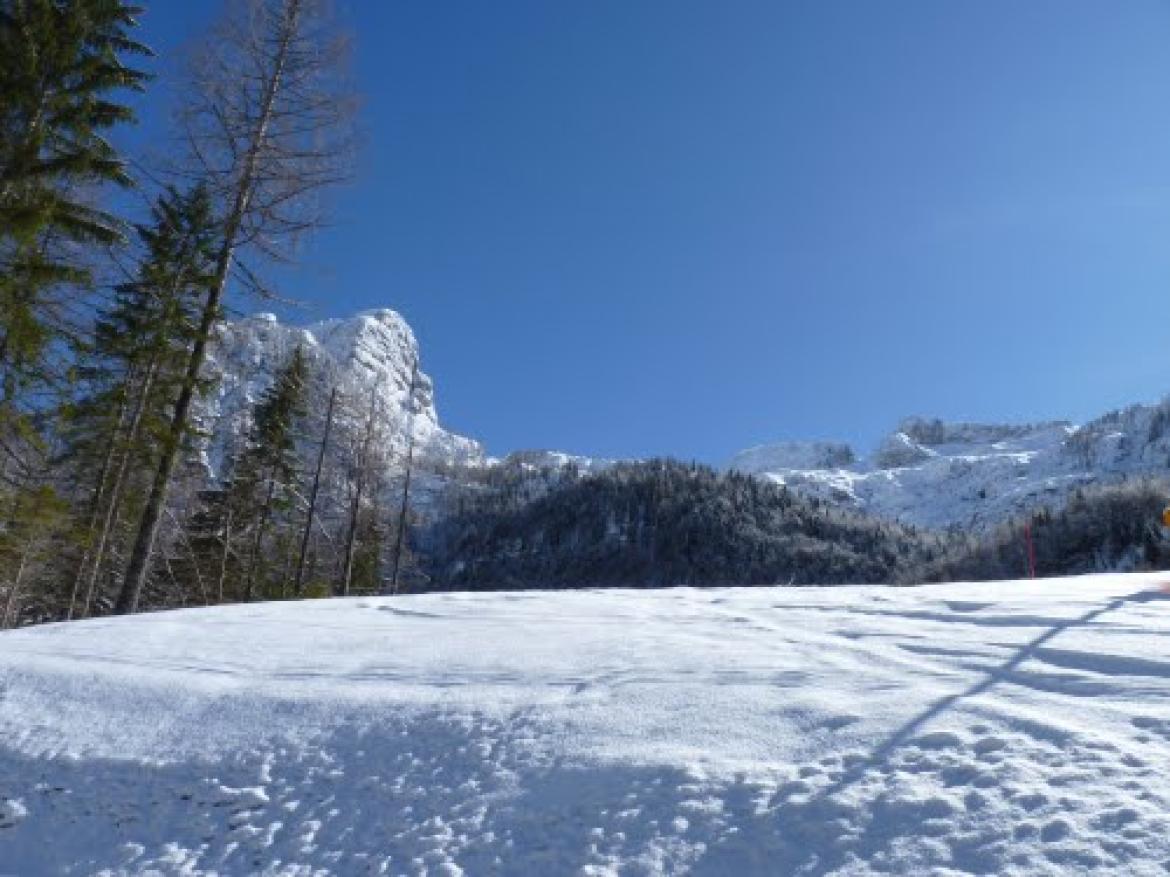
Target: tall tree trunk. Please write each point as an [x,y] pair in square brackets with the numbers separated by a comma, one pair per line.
[95,507]
[299,585]
[289,554]
[223,556]
[113,505]
[14,591]
[258,542]
[140,557]
[363,466]
[351,537]
[398,536]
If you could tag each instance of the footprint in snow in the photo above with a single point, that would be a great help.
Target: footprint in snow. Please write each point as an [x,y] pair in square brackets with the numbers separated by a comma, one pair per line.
[12,811]
[1149,723]
[1032,801]
[1055,831]
[938,740]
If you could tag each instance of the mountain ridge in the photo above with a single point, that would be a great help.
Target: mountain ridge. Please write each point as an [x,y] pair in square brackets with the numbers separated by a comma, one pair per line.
[927,472]
[936,474]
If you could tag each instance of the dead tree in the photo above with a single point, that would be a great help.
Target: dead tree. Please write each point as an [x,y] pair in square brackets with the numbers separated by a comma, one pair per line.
[401,531]
[363,466]
[298,587]
[265,126]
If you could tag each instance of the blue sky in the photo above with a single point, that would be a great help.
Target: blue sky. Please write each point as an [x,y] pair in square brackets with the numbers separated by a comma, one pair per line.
[673,227]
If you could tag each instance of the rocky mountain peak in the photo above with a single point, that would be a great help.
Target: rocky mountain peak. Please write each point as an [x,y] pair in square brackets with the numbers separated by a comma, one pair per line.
[368,356]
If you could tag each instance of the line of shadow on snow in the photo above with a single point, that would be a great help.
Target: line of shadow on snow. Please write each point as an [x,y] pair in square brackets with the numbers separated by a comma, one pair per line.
[1002,673]
[826,829]
[491,795]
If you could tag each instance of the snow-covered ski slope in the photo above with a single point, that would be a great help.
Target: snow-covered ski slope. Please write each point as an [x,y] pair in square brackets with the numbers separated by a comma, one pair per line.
[1005,728]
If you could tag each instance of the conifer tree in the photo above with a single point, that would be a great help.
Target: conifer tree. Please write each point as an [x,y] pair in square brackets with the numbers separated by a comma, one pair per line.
[35,517]
[61,65]
[265,123]
[265,478]
[135,368]
[210,534]
[364,464]
[314,493]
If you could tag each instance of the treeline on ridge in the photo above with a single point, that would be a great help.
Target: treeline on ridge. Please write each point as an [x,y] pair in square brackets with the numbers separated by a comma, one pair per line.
[662,522]
[1102,528]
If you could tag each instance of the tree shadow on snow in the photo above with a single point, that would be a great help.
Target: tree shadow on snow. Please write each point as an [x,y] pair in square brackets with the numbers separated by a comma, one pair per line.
[1002,673]
[429,791]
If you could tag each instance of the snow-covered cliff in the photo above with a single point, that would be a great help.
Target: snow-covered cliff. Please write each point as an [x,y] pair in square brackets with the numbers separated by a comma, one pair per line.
[371,353]
[937,474]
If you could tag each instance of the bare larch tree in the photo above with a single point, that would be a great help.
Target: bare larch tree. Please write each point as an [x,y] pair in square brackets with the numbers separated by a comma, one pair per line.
[266,125]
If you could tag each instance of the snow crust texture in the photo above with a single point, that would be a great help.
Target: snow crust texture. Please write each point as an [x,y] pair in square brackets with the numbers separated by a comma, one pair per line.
[936,474]
[1001,728]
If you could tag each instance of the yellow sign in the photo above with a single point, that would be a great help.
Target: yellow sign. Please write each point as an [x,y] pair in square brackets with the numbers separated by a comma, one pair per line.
[1166,516]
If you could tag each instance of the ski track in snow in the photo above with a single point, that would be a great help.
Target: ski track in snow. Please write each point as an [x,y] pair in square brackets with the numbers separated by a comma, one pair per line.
[1000,728]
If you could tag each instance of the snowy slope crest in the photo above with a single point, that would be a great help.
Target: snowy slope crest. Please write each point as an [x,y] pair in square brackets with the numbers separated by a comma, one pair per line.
[371,353]
[937,474]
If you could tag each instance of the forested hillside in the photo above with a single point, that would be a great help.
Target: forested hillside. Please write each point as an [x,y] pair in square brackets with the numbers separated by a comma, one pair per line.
[663,523]
[1099,529]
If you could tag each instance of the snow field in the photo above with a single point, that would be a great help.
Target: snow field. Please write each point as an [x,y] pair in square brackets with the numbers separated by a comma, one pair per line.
[1002,728]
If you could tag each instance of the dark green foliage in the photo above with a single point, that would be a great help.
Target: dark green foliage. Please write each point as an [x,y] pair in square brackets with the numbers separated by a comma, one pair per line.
[140,341]
[60,64]
[271,449]
[265,481]
[663,523]
[372,543]
[60,61]
[132,372]
[1102,528]
[61,70]
[156,313]
[33,525]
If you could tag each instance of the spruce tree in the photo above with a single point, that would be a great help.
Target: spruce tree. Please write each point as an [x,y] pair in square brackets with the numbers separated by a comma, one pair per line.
[265,478]
[60,69]
[35,519]
[135,367]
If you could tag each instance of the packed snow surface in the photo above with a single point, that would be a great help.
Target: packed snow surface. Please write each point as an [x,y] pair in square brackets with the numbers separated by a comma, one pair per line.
[1004,728]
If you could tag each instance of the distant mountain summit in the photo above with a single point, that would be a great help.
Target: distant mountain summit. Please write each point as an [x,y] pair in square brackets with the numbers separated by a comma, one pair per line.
[370,356]
[937,474]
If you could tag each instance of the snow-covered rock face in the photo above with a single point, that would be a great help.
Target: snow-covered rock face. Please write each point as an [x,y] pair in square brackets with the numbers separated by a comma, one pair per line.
[372,353]
[936,474]
[794,455]
[540,460]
